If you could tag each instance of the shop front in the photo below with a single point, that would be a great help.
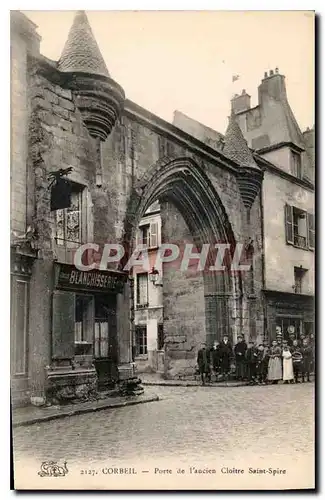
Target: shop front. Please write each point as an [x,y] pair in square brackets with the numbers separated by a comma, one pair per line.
[84,331]
[289,311]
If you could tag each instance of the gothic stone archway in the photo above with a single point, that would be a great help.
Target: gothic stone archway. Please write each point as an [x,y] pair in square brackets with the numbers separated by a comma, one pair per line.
[182,183]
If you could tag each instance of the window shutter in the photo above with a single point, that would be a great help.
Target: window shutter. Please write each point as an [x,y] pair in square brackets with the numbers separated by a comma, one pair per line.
[63,321]
[311,230]
[288,215]
[154,234]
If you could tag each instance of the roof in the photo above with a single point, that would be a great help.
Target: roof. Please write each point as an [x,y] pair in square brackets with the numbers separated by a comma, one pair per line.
[81,52]
[236,146]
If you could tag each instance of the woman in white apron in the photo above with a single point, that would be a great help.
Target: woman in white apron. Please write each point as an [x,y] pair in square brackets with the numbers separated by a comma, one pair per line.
[288,375]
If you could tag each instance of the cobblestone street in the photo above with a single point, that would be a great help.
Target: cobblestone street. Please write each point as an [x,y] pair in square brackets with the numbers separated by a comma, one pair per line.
[197,423]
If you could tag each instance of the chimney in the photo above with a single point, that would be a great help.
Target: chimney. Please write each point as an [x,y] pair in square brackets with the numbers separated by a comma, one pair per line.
[241,102]
[272,86]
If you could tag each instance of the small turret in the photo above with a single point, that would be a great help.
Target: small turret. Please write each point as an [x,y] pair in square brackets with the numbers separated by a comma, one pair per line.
[99,98]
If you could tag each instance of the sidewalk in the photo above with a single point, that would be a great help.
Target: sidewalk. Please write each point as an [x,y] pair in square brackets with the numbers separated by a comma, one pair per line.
[32,415]
[156,379]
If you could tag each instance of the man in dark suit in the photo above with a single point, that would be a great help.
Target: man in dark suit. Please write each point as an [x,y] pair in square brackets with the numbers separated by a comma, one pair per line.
[225,356]
[203,361]
[240,350]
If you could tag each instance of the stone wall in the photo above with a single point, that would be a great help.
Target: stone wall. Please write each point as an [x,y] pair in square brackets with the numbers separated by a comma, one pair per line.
[184,305]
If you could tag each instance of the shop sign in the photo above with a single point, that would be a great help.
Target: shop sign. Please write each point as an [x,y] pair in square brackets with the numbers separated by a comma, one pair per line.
[104,281]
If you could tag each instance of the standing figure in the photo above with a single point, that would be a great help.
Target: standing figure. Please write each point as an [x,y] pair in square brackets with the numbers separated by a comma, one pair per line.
[292,337]
[262,362]
[312,345]
[240,351]
[274,373]
[225,355]
[307,358]
[287,365]
[301,339]
[203,362]
[251,360]
[215,357]
[296,360]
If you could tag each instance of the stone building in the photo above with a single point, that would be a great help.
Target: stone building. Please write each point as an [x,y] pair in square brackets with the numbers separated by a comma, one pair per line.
[73,332]
[271,129]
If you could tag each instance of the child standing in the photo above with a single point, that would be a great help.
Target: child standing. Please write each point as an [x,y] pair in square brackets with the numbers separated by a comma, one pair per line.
[296,360]
[262,363]
[251,360]
[287,365]
[307,354]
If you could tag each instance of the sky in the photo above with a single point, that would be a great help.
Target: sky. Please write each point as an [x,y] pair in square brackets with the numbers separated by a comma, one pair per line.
[185,60]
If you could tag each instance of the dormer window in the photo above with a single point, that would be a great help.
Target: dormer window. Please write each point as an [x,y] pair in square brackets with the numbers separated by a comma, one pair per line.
[296,169]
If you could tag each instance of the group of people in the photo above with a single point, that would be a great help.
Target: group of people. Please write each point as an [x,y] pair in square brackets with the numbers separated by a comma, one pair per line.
[289,360]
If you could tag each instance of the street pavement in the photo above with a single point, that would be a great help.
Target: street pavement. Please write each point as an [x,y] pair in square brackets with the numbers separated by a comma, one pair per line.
[264,422]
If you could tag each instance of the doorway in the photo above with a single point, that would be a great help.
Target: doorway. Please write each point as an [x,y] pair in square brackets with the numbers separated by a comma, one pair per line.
[105,341]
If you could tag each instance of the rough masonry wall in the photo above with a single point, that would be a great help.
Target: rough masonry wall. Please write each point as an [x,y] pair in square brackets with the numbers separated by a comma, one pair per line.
[183,299]
[58,139]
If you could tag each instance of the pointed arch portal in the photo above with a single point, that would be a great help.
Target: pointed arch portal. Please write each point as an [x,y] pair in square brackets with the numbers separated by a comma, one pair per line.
[184,184]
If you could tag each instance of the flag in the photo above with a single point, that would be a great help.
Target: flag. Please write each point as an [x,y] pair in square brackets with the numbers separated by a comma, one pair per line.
[235,78]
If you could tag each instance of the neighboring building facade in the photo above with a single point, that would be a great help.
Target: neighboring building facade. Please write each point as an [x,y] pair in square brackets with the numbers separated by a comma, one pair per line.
[271,129]
[148,297]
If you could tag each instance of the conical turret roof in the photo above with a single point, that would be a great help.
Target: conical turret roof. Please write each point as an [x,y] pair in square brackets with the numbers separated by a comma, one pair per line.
[236,147]
[81,53]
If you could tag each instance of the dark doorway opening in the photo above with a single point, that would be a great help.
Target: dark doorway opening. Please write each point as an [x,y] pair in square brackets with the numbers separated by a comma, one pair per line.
[105,341]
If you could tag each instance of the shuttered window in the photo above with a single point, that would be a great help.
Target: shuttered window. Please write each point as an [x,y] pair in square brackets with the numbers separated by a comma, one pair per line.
[63,325]
[311,231]
[288,213]
[299,227]
[154,234]
[19,310]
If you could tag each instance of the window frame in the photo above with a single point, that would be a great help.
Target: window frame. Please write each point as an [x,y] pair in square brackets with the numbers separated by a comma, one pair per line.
[146,302]
[291,232]
[142,329]
[296,164]
[80,190]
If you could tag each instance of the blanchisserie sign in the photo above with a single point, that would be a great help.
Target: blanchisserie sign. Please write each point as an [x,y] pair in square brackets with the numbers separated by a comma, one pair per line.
[105,281]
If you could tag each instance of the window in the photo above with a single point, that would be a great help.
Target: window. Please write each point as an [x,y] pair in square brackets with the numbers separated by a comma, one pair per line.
[284,324]
[160,340]
[20,327]
[105,314]
[142,289]
[308,328]
[296,164]
[141,340]
[300,227]
[144,235]
[299,274]
[149,235]
[68,221]
[83,307]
